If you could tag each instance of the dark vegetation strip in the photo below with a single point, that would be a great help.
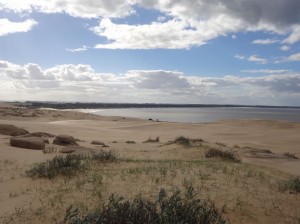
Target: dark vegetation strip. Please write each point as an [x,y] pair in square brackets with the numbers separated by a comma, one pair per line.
[173,209]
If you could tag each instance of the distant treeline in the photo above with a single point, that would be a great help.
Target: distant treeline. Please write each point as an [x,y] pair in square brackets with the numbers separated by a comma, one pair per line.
[80,105]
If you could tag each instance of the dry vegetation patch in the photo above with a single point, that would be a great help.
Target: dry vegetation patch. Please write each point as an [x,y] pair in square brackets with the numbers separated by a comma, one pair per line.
[195,190]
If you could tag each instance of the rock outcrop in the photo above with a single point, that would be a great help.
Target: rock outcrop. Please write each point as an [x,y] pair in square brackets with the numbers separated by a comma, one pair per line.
[40,134]
[28,142]
[99,143]
[7,129]
[64,140]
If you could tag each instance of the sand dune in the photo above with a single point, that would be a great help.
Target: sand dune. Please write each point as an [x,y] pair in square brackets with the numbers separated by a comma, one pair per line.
[260,143]
[277,136]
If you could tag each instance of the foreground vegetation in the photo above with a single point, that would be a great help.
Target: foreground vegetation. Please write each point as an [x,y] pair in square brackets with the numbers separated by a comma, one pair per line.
[164,210]
[194,189]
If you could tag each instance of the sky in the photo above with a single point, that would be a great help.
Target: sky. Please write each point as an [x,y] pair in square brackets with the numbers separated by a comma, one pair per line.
[145,51]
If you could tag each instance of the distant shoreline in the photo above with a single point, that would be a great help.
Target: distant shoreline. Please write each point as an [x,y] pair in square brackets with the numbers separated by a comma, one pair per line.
[80,105]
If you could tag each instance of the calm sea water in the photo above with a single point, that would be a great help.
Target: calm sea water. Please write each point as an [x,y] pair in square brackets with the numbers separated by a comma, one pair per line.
[202,115]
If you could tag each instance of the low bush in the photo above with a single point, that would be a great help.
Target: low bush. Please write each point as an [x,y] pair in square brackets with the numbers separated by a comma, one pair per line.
[181,140]
[290,155]
[150,140]
[171,209]
[187,142]
[67,165]
[227,155]
[103,156]
[292,185]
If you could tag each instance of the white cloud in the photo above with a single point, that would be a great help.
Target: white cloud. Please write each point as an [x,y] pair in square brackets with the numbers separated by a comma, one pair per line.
[71,72]
[257,59]
[172,34]
[282,83]
[192,22]
[68,72]
[80,49]
[285,48]
[76,8]
[157,79]
[240,57]
[294,37]
[81,83]
[294,57]
[9,27]
[265,41]
[267,71]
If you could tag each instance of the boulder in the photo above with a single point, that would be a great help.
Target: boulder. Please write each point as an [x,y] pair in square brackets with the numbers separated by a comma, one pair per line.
[64,140]
[99,143]
[7,129]
[40,134]
[28,142]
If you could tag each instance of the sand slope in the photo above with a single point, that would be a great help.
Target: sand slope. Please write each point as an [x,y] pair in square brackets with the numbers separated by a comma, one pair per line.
[257,142]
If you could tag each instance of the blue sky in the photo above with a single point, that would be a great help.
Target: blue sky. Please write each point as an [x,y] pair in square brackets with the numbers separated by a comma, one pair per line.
[197,51]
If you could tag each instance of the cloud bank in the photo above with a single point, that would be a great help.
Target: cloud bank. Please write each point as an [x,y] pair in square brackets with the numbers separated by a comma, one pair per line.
[80,82]
[180,24]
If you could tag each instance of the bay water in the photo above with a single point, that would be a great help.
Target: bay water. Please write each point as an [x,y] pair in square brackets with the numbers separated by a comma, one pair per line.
[203,115]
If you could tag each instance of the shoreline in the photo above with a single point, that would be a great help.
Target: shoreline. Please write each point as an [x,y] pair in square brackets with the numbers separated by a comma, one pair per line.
[94,105]
[91,115]
[175,115]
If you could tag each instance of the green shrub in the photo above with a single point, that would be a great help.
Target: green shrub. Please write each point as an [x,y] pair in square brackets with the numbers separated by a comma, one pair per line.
[181,140]
[67,165]
[188,142]
[103,156]
[150,140]
[227,155]
[165,210]
[290,155]
[292,185]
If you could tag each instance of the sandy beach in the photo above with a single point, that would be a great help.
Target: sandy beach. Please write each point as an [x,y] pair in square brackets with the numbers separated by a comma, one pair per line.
[260,144]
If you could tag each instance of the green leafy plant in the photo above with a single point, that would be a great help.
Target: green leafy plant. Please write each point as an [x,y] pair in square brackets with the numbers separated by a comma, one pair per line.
[150,140]
[292,185]
[164,210]
[181,140]
[290,155]
[103,156]
[67,165]
[227,155]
